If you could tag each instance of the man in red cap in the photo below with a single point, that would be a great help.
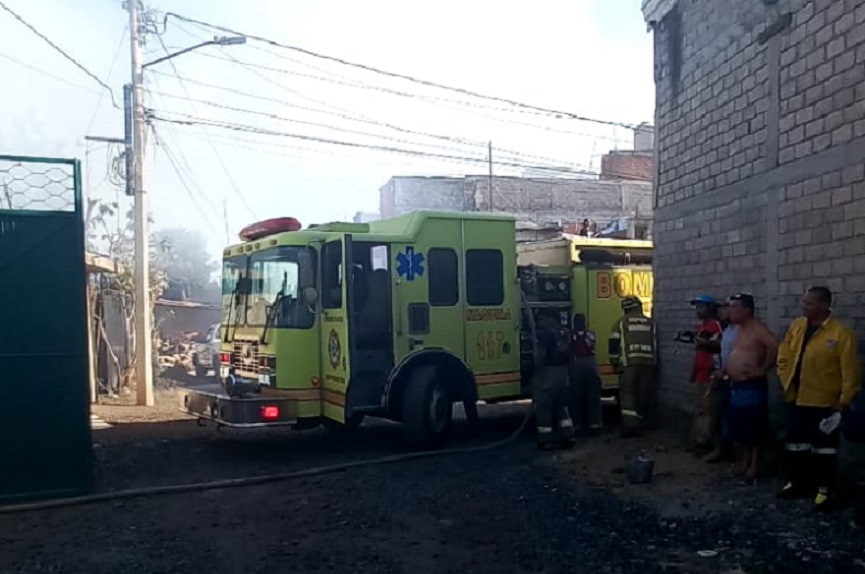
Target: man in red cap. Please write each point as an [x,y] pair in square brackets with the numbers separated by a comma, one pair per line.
[707,340]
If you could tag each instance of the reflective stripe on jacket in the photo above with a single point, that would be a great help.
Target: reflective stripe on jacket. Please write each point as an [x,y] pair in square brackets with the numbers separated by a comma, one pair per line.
[633,341]
[831,371]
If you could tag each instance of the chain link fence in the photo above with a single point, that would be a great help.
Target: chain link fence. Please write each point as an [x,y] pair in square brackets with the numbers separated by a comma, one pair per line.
[38,184]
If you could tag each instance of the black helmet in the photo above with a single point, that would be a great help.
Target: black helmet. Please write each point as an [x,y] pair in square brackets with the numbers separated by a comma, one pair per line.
[629,303]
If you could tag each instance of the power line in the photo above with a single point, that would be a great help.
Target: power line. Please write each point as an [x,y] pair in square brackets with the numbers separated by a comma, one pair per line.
[345,116]
[110,71]
[177,170]
[460,141]
[352,82]
[301,152]
[47,74]
[427,83]
[216,153]
[580,174]
[292,120]
[507,152]
[61,51]
[179,158]
[154,115]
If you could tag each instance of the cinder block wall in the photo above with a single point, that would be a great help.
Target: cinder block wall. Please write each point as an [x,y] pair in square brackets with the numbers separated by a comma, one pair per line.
[760,179]
[539,200]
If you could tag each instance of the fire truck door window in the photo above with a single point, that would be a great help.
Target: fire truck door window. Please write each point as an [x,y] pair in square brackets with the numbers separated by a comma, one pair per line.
[485,284]
[331,275]
[444,290]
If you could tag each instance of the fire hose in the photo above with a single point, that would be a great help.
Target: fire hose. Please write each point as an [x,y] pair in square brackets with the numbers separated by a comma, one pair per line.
[266,478]
[257,480]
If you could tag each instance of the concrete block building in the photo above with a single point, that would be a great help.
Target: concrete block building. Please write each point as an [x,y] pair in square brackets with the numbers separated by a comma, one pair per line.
[760,159]
[537,200]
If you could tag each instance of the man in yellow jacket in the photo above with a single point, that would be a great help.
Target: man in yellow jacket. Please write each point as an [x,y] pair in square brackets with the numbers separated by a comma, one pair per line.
[819,368]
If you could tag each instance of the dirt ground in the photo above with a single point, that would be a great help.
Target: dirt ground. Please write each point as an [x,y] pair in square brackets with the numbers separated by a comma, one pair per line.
[506,510]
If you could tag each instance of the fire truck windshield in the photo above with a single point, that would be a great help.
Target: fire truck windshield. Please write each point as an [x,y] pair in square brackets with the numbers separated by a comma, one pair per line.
[273,299]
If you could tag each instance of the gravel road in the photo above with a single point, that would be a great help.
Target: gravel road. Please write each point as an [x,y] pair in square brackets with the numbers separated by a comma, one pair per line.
[507,510]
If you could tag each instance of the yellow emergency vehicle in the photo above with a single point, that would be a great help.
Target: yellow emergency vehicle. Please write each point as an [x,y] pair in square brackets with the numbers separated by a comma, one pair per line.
[398,318]
[589,276]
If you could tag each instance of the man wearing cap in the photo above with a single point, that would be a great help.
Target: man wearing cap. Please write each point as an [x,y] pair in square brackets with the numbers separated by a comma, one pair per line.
[707,340]
[721,387]
[633,351]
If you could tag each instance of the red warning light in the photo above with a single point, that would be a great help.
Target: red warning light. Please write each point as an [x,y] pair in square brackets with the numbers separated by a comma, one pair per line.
[270,412]
[225,358]
[267,227]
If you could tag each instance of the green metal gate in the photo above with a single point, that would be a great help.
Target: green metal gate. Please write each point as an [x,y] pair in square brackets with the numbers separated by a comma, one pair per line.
[45,444]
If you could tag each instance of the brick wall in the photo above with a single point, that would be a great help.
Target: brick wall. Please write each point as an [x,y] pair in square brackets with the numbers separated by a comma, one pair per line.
[760,125]
[628,165]
[563,200]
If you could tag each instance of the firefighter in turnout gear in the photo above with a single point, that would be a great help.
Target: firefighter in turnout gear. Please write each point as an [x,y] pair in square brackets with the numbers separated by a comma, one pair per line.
[550,388]
[633,351]
[821,374]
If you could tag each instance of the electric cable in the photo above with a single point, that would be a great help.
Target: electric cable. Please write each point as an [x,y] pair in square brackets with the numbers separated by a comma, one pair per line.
[60,50]
[47,74]
[413,79]
[261,479]
[513,154]
[155,115]
[216,153]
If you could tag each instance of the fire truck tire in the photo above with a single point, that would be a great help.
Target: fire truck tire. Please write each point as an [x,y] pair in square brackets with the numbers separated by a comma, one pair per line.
[427,410]
[354,421]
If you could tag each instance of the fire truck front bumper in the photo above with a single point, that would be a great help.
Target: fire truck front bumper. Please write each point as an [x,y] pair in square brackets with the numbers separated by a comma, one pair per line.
[238,412]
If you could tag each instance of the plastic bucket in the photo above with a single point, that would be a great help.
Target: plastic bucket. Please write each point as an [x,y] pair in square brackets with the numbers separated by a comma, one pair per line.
[640,469]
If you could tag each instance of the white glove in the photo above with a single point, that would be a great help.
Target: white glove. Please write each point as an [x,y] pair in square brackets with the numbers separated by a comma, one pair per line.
[830,423]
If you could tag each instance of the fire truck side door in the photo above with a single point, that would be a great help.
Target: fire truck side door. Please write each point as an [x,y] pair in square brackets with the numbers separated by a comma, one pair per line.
[335,367]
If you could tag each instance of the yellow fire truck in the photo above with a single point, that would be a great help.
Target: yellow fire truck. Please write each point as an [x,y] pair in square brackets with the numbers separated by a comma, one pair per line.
[576,275]
[397,318]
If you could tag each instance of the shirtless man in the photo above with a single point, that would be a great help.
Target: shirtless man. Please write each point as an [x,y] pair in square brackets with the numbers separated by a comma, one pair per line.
[753,356]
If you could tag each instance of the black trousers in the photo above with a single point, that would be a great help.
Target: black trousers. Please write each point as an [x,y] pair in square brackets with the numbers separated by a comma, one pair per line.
[812,456]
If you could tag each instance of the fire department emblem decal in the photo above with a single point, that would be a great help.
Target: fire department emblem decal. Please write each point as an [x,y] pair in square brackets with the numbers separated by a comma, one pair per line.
[334,349]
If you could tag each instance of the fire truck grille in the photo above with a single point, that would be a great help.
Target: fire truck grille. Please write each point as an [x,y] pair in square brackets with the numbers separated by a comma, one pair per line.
[245,357]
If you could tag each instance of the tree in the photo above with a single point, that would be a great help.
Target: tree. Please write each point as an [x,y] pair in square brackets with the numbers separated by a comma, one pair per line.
[110,232]
[189,269]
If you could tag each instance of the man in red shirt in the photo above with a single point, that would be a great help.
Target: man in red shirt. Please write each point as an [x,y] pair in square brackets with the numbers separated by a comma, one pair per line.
[707,340]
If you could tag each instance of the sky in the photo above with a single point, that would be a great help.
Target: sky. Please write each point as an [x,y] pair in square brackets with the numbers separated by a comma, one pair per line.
[232,145]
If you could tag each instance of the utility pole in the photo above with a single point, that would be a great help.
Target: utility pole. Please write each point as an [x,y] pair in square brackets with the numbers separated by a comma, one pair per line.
[490,149]
[143,329]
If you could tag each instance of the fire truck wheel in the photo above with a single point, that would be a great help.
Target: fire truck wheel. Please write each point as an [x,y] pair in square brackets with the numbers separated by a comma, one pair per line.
[427,410]
[354,421]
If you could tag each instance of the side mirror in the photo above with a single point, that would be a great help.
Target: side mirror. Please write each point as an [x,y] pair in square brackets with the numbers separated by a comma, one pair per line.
[306,271]
[310,296]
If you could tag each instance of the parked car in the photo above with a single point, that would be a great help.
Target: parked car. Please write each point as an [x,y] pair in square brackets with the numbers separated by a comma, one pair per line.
[206,354]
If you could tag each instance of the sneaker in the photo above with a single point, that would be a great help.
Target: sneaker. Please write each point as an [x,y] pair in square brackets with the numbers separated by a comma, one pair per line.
[791,492]
[825,501]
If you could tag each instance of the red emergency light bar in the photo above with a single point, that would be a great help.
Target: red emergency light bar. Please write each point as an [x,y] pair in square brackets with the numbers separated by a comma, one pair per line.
[269,227]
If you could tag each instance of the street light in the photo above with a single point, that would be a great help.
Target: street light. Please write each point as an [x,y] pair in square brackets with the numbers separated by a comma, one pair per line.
[217,41]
